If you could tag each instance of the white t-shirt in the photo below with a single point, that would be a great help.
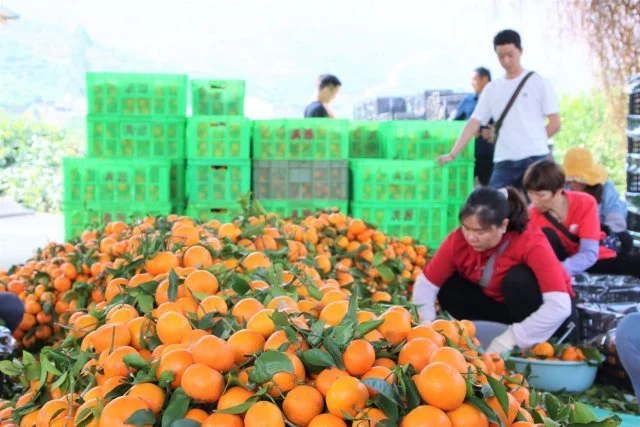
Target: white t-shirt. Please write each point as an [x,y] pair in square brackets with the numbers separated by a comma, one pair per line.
[523,133]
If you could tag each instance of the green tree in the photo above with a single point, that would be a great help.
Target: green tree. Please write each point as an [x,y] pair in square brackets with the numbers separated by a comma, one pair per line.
[31,154]
[586,123]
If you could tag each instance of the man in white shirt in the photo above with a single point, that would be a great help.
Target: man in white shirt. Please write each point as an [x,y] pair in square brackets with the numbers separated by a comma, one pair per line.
[528,125]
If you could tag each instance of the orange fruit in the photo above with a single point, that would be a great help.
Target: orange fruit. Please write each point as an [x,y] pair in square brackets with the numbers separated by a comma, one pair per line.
[201,281]
[54,411]
[451,357]
[396,326]
[381,373]
[244,309]
[150,393]
[467,416]
[213,352]
[262,414]
[223,420]
[302,404]
[197,256]
[543,349]
[120,409]
[233,396]
[426,415]
[256,260]
[202,383]
[172,328]
[163,262]
[83,325]
[359,357]
[369,418]
[334,312]
[185,235]
[573,354]
[261,322]
[115,366]
[440,385]
[448,328]
[245,342]
[327,377]
[327,420]
[88,418]
[417,353]
[176,361]
[512,409]
[198,415]
[109,336]
[426,331]
[347,395]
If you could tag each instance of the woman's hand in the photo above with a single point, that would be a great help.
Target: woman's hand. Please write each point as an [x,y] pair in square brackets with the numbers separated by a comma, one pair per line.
[424,295]
[503,343]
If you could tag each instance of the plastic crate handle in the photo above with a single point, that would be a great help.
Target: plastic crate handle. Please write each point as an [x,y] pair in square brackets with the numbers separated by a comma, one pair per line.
[219,168]
[213,210]
[214,124]
[216,86]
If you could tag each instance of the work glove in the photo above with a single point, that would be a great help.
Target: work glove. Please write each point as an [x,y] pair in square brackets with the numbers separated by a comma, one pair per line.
[503,343]
[425,294]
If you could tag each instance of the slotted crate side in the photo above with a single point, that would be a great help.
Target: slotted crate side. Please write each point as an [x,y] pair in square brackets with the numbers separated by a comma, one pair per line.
[137,94]
[81,216]
[177,184]
[366,139]
[218,137]
[301,139]
[210,182]
[136,137]
[410,180]
[423,140]
[222,212]
[298,209]
[217,97]
[116,181]
[301,179]
[425,222]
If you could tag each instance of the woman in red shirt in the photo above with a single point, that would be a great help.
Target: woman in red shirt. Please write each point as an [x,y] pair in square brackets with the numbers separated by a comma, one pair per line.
[571,222]
[496,267]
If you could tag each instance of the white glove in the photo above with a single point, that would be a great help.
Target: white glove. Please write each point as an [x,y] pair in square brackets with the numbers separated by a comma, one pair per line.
[424,295]
[503,343]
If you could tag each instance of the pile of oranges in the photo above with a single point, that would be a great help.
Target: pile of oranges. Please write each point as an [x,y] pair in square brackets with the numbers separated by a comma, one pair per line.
[258,322]
[548,351]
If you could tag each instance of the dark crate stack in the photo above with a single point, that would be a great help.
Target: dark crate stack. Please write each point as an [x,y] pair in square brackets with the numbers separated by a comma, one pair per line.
[633,158]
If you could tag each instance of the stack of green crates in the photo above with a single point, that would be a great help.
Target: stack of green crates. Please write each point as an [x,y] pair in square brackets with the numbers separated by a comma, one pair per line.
[218,149]
[397,183]
[301,165]
[135,151]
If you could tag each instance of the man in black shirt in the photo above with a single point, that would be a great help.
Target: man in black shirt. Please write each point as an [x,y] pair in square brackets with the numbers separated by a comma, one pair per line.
[327,91]
[484,148]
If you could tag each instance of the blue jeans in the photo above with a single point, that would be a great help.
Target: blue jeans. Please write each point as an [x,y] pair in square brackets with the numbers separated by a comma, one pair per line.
[11,310]
[511,172]
[628,346]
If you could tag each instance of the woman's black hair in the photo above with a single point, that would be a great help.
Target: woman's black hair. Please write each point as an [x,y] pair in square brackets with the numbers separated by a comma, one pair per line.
[492,207]
[596,191]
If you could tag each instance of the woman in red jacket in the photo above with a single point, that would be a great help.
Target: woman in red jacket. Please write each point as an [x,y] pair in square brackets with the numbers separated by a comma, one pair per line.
[571,222]
[496,267]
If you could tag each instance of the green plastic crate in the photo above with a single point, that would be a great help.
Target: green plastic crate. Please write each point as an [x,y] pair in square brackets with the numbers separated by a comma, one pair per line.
[366,139]
[218,137]
[410,180]
[116,181]
[136,137]
[217,97]
[81,216]
[177,187]
[301,179]
[137,94]
[210,182]
[301,139]
[222,212]
[297,209]
[423,140]
[426,222]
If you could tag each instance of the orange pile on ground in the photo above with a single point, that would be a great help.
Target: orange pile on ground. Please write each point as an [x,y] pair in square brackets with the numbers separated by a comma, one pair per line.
[259,322]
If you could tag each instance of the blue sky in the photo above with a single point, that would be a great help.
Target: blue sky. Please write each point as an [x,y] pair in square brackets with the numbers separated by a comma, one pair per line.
[377,47]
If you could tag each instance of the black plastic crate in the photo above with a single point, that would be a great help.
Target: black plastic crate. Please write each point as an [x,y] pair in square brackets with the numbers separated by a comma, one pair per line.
[633,174]
[633,145]
[634,103]
[633,218]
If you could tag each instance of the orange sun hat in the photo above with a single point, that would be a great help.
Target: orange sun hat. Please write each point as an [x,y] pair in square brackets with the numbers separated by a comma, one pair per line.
[579,166]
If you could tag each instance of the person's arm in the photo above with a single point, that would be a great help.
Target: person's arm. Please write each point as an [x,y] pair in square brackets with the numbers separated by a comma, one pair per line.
[586,257]
[470,130]
[613,209]
[433,276]
[553,124]
[556,301]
